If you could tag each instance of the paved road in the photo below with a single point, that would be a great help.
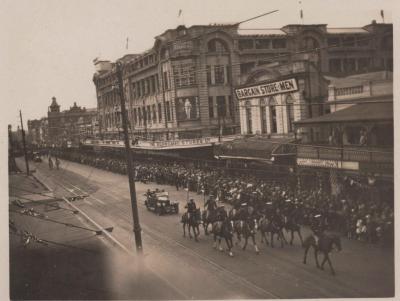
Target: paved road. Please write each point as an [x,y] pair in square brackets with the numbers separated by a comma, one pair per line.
[196,270]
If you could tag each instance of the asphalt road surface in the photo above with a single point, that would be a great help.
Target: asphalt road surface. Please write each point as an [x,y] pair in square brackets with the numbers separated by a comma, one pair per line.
[197,270]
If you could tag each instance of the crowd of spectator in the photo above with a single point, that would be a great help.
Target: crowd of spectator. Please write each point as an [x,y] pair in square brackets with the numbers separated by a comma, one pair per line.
[358,212]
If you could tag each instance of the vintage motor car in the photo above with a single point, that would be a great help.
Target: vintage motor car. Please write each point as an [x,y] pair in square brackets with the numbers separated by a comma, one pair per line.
[159,202]
[36,157]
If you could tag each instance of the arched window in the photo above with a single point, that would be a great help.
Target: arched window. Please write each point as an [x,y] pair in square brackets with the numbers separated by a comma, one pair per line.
[272,107]
[263,115]
[290,112]
[248,117]
[309,43]
[217,45]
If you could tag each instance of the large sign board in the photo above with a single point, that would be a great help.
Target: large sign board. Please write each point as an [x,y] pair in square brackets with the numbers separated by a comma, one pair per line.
[328,163]
[283,86]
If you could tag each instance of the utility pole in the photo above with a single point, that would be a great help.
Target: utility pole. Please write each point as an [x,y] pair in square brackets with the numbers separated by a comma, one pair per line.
[24,144]
[131,172]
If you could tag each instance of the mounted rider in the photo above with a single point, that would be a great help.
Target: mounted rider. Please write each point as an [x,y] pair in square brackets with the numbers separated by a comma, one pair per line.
[222,215]
[191,208]
[211,204]
[317,226]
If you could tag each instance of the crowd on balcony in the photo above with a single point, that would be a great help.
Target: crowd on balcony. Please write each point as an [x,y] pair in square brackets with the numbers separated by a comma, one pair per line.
[359,211]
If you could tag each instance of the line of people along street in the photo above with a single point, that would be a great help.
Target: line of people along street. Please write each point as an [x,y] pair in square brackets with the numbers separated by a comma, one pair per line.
[358,213]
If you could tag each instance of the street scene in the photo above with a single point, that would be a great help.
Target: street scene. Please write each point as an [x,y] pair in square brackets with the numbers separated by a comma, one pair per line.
[243,155]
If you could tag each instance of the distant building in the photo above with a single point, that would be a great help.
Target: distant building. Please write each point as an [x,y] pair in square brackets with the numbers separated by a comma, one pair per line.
[69,127]
[183,86]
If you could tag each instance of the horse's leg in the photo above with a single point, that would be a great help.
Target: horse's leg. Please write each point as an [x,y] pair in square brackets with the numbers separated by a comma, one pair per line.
[305,254]
[323,262]
[205,225]
[316,257]
[272,239]
[255,244]
[196,233]
[219,244]
[291,237]
[215,241]
[265,237]
[184,229]
[229,245]
[282,238]
[330,264]
[301,238]
[246,238]
[190,234]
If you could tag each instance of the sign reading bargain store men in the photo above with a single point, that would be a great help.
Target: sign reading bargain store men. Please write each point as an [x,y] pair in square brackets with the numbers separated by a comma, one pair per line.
[283,86]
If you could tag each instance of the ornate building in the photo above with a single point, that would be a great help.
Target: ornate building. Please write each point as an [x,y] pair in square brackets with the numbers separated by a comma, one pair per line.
[68,127]
[183,87]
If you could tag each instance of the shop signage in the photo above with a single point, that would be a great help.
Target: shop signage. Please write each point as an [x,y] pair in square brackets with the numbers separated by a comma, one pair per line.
[283,86]
[328,163]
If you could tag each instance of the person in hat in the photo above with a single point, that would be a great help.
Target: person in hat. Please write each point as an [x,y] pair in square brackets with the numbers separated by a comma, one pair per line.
[222,215]
[191,208]
[317,226]
[210,204]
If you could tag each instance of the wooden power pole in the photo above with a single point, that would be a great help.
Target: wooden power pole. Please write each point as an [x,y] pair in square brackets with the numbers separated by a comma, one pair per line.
[24,144]
[131,172]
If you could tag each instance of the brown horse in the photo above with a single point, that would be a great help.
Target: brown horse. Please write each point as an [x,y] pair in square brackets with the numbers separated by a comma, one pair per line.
[191,221]
[325,245]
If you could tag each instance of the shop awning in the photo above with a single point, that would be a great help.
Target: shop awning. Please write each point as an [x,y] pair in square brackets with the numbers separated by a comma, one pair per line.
[254,148]
[362,112]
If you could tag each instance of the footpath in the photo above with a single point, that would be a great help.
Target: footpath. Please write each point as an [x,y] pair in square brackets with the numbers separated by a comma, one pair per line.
[55,253]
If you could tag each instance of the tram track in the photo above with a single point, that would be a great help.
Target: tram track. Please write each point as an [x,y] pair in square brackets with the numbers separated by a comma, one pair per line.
[156,237]
[329,288]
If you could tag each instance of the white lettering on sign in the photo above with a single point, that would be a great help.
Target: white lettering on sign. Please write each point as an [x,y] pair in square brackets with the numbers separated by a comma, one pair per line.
[328,163]
[283,86]
[318,163]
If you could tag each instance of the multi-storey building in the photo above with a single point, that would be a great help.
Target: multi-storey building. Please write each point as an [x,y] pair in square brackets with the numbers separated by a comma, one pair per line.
[38,131]
[68,127]
[183,86]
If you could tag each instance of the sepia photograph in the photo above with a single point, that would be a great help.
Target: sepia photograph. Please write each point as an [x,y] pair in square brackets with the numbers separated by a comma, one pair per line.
[198,150]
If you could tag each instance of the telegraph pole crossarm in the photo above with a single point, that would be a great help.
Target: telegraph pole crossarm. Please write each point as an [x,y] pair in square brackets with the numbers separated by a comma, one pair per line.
[131,172]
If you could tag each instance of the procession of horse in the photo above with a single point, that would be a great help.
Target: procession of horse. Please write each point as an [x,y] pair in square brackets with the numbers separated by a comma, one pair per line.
[242,224]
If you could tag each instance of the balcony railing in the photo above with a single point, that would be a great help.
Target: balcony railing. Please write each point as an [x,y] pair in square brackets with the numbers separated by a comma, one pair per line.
[345,154]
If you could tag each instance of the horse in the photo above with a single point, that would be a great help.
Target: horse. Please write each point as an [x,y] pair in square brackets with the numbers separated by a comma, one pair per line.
[325,245]
[191,221]
[208,217]
[291,225]
[268,226]
[247,228]
[223,229]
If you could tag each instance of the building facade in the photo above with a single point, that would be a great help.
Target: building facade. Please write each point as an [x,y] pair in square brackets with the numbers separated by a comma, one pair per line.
[69,127]
[183,87]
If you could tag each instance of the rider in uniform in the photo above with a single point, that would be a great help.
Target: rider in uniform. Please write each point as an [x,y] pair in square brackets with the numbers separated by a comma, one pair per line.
[222,214]
[317,227]
[210,204]
[191,208]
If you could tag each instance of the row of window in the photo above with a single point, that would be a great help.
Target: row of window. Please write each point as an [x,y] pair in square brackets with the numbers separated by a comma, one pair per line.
[184,75]
[278,43]
[146,86]
[356,64]
[151,114]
